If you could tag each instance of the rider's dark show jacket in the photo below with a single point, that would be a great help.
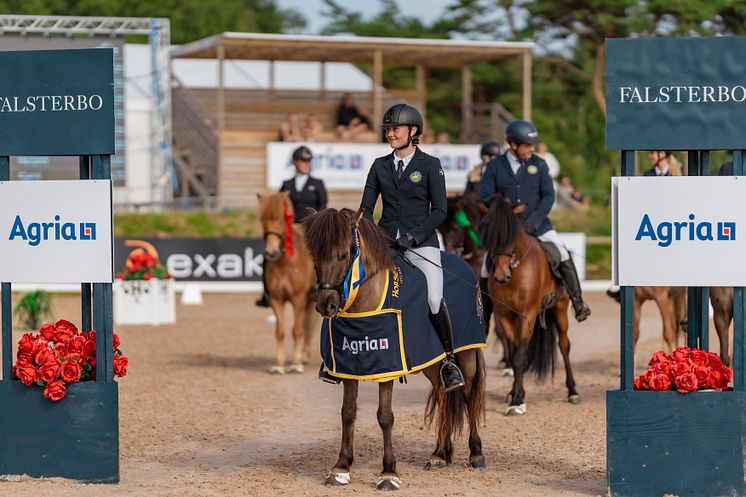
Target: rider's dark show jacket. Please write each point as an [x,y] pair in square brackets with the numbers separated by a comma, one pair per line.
[531,185]
[312,195]
[415,203]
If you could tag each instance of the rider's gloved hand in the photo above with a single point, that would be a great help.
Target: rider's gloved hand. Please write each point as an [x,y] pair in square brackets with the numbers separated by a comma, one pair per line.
[405,241]
[531,229]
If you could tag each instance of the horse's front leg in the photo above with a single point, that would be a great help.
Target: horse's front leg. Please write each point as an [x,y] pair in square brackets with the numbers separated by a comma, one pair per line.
[519,361]
[388,479]
[277,308]
[299,311]
[340,473]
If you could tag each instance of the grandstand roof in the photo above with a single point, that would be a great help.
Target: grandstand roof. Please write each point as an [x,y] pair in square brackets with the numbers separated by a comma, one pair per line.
[353,49]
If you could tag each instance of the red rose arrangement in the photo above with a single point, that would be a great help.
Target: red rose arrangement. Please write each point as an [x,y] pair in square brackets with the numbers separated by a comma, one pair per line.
[685,370]
[141,265]
[59,354]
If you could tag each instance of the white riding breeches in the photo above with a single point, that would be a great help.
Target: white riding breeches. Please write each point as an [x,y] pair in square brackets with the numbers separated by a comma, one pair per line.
[549,236]
[433,274]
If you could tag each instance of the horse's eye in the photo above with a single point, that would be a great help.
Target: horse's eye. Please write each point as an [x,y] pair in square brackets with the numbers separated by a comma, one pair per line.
[342,257]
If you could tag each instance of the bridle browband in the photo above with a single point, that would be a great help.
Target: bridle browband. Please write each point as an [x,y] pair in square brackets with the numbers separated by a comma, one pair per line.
[515,264]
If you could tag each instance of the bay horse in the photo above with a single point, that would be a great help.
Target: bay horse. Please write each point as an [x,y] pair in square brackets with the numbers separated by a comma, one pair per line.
[329,239]
[289,278]
[533,304]
[671,302]
[460,237]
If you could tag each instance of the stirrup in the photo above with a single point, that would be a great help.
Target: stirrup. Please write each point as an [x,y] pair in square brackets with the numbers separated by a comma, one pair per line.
[457,378]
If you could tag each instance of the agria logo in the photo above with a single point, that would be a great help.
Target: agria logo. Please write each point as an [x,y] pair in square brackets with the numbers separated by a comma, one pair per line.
[367,345]
[665,233]
[35,233]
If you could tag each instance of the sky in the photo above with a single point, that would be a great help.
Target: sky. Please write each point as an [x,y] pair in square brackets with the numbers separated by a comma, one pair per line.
[428,10]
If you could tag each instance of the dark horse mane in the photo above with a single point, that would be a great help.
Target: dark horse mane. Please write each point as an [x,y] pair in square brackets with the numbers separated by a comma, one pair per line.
[499,228]
[469,204]
[332,228]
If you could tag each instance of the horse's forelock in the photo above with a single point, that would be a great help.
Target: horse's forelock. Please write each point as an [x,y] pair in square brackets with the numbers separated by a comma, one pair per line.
[325,231]
[499,227]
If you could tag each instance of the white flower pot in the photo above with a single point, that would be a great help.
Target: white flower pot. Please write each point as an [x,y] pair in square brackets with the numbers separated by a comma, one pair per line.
[144,302]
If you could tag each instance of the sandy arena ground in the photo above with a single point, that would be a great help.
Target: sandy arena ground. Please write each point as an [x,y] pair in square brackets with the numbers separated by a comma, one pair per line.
[200,416]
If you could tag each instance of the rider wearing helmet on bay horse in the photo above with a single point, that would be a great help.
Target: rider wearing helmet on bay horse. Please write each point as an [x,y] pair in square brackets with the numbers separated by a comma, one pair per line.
[523,177]
[413,192]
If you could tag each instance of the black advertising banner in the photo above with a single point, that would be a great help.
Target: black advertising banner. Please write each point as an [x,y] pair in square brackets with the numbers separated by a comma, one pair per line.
[676,93]
[199,259]
[57,102]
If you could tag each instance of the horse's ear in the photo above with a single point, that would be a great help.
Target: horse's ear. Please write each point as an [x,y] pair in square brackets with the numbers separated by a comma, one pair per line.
[259,196]
[483,207]
[519,209]
[359,215]
[310,211]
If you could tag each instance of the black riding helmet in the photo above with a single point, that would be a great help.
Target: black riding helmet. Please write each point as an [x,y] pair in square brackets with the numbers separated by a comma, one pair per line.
[302,153]
[520,131]
[490,148]
[404,115]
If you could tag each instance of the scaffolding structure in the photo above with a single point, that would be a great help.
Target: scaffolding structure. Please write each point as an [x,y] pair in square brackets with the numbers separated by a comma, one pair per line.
[158,31]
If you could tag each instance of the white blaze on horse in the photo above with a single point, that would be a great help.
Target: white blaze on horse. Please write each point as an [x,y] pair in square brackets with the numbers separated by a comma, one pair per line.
[289,278]
[330,240]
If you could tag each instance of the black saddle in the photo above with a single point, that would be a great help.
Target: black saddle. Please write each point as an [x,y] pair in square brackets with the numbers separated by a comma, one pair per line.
[553,257]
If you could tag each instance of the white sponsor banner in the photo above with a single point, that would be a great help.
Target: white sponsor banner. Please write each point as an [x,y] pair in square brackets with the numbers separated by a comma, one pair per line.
[344,166]
[679,231]
[55,231]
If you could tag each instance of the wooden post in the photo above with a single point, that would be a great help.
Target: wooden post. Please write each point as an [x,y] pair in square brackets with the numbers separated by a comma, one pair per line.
[627,344]
[421,87]
[527,85]
[467,105]
[86,311]
[221,113]
[704,296]
[377,85]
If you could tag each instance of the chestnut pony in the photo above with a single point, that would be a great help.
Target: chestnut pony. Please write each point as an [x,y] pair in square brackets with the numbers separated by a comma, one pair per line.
[329,239]
[531,305]
[289,278]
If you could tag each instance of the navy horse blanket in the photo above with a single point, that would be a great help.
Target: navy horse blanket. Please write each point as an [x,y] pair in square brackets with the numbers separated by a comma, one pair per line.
[397,338]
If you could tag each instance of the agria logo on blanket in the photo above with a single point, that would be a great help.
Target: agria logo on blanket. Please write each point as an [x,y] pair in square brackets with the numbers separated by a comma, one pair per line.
[667,232]
[367,345]
[35,233]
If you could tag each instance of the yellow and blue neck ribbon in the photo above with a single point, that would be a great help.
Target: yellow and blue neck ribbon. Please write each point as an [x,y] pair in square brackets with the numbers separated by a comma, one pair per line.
[355,275]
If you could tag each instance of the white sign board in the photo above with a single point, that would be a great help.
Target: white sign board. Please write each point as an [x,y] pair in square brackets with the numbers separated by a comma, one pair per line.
[344,166]
[679,231]
[56,232]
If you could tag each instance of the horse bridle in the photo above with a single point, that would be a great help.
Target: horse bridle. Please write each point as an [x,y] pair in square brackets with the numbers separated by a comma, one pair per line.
[516,264]
[281,237]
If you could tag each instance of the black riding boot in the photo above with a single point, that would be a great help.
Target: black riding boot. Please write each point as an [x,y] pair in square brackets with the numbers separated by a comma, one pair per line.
[263,301]
[450,374]
[570,278]
[486,301]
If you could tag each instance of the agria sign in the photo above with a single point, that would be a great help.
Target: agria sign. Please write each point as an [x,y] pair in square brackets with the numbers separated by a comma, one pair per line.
[34,233]
[664,233]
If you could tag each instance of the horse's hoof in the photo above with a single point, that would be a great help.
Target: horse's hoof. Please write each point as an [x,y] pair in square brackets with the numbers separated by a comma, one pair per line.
[337,479]
[574,399]
[295,368]
[478,463]
[435,463]
[388,483]
[516,410]
[508,372]
[276,370]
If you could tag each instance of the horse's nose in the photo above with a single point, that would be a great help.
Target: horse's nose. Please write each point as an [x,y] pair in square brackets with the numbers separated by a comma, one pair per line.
[503,280]
[327,310]
[272,255]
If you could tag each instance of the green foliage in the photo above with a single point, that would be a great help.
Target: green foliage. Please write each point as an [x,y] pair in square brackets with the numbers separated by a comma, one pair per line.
[32,308]
[227,224]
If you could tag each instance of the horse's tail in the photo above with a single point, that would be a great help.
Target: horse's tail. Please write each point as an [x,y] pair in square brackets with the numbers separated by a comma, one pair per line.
[542,349]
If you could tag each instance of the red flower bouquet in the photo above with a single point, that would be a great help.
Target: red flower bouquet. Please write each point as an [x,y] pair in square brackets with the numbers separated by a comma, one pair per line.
[58,355]
[685,370]
[141,265]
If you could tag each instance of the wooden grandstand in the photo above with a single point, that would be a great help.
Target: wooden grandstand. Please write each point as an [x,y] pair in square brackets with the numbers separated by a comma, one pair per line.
[220,134]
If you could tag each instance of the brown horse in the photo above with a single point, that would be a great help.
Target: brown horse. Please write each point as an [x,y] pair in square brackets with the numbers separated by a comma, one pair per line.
[329,239]
[671,302]
[533,305]
[461,238]
[289,277]
[722,305]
